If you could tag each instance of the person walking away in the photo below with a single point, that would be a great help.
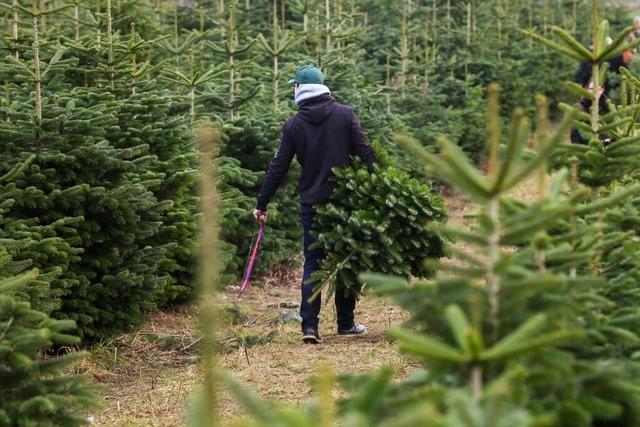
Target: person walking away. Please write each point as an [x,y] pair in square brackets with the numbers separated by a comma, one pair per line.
[584,78]
[321,135]
[584,104]
[584,73]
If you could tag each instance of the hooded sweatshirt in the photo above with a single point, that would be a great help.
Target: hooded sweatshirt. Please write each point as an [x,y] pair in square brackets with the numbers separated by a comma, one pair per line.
[321,135]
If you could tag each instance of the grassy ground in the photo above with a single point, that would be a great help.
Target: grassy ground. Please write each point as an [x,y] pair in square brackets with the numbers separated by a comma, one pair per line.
[148,375]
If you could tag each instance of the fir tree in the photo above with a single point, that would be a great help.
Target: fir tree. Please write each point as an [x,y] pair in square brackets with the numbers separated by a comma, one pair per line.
[252,141]
[607,165]
[168,170]
[91,186]
[508,330]
[36,388]
[394,238]
[231,50]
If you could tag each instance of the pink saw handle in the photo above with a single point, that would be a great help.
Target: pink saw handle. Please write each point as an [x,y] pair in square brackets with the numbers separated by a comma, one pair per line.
[253,257]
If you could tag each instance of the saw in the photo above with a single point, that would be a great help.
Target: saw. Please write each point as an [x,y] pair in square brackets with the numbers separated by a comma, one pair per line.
[253,257]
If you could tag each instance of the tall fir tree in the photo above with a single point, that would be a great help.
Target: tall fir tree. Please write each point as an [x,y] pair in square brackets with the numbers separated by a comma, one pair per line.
[37,388]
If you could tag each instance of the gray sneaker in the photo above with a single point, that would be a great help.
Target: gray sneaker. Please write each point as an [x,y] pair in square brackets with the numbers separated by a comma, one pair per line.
[356,329]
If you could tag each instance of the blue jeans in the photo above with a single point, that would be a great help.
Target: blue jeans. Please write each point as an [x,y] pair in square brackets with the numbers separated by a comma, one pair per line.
[345,301]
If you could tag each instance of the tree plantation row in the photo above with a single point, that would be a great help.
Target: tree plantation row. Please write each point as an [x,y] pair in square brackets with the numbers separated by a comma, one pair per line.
[100,212]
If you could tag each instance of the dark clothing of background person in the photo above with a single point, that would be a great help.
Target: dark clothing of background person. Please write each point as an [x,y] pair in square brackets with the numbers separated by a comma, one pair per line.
[322,135]
[345,302]
[585,105]
[585,70]
[583,77]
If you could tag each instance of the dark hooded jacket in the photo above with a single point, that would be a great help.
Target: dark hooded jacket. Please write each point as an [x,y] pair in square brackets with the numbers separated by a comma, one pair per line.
[323,134]
[584,73]
[583,77]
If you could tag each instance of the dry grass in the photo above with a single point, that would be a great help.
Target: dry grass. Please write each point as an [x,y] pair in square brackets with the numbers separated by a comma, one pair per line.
[146,381]
[148,375]
[281,369]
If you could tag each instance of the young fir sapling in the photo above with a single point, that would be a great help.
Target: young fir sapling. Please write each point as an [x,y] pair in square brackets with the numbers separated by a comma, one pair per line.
[376,222]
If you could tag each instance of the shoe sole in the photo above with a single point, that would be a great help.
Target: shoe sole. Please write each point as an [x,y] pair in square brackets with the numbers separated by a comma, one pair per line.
[311,339]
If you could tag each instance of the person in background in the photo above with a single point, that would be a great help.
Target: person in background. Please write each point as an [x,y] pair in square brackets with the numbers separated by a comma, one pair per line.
[636,27]
[321,135]
[583,75]
[584,78]
[585,105]
[624,60]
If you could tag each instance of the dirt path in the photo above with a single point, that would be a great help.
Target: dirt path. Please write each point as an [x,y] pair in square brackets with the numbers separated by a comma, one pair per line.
[148,375]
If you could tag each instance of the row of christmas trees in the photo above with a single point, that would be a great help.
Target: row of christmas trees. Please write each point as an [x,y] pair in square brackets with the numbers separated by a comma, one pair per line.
[537,324]
[99,99]
[104,98]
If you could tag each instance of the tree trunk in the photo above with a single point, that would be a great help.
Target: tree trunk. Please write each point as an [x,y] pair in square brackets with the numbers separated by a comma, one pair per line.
[473,16]
[14,29]
[134,65]
[426,42]
[434,25]
[327,11]
[448,21]
[209,272]
[36,60]
[493,213]
[493,280]
[201,43]
[284,14]
[540,135]
[276,86]
[43,22]
[545,19]
[404,57]
[468,25]
[232,44]
[352,19]
[530,21]
[388,69]
[319,41]
[110,45]
[337,9]
[276,95]
[426,55]
[476,383]
[595,76]
[232,87]
[574,219]
[274,22]
[499,28]
[499,38]
[192,101]
[76,15]
[176,35]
